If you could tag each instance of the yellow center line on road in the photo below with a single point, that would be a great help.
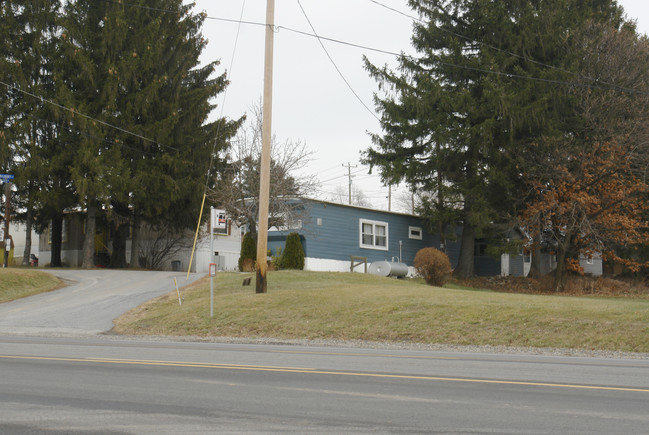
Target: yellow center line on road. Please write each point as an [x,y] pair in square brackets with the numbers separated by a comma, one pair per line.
[310,371]
[376,355]
[162,363]
[191,364]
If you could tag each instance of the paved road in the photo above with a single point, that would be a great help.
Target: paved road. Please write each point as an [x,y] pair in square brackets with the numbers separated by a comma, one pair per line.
[90,302]
[111,385]
[57,376]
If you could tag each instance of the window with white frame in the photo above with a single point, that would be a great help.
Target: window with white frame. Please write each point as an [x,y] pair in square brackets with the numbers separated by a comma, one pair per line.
[415,233]
[373,234]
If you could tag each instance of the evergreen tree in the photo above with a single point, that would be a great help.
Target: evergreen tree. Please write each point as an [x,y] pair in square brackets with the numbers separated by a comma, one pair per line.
[482,91]
[293,254]
[248,253]
[37,159]
[93,39]
[139,65]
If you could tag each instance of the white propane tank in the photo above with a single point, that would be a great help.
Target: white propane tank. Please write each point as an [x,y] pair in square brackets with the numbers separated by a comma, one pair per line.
[388,268]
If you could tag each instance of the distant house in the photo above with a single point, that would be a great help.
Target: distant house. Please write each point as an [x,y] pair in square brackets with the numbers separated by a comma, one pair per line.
[518,264]
[152,244]
[19,238]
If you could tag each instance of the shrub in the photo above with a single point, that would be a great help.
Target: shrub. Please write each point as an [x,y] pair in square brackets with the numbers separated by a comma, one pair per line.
[276,260]
[248,253]
[433,265]
[293,255]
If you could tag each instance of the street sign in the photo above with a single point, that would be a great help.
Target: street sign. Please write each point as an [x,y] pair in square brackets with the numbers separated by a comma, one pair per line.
[219,222]
[6,177]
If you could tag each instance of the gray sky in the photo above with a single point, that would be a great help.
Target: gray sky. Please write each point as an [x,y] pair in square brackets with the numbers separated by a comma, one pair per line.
[311,101]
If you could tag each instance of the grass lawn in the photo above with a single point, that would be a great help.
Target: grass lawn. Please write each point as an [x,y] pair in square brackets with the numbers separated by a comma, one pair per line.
[16,283]
[346,306]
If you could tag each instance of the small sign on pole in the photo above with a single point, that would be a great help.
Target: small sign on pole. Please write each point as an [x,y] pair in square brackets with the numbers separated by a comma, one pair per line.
[219,222]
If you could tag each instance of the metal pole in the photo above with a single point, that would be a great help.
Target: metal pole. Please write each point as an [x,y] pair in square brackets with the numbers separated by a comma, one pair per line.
[266,130]
[7,218]
[211,261]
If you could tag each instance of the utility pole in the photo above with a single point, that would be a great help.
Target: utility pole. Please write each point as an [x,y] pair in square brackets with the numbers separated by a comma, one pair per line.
[389,197]
[266,130]
[349,174]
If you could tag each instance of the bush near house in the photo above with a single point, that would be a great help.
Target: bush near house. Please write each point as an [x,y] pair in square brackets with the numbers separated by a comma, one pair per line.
[248,253]
[433,265]
[293,255]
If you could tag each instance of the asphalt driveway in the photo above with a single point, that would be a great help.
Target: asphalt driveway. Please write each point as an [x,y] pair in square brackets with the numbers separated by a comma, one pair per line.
[89,303]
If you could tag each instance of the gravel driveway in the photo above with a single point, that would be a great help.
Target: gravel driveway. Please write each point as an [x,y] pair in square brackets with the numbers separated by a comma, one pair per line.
[89,303]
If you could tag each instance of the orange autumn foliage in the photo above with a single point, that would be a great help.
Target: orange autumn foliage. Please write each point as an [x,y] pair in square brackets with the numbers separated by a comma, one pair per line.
[592,203]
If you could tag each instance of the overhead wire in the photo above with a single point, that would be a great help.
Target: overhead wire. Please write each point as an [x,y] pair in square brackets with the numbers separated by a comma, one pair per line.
[83,115]
[218,129]
[492,47]
[225,94]
[595,83]
[334,63]
[120,144]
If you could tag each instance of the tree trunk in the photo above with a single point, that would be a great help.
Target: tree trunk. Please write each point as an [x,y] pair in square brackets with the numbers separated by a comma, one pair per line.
[135,241]
[118,257]
[535,266]
[89,240]
[465,265]
[56,239]
[560,272]
[28,237]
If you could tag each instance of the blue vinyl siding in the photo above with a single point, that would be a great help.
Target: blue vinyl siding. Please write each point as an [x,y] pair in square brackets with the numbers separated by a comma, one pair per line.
[339,235]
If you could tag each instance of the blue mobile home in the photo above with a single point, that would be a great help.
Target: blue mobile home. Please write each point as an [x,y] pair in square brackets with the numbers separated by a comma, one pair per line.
[332,233]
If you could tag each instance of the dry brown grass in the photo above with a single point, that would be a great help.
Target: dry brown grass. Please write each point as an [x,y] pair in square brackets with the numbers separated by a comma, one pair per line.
[19,283]
[575,286]
[355,306]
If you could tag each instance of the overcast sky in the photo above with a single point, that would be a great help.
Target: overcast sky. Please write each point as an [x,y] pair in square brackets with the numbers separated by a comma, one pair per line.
[311,101]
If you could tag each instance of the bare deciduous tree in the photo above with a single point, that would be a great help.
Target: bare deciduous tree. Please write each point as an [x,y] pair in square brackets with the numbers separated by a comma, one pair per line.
[340,195]
[237,187]
[158,245]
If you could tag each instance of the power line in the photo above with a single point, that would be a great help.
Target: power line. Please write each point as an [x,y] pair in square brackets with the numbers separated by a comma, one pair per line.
[336,66]
[492,47]
[83,115]
[88,135]
[225,94]
[342,176]
[596,85]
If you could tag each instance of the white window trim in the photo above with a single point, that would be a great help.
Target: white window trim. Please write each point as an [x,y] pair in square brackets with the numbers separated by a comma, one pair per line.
[374,224]
[414,237]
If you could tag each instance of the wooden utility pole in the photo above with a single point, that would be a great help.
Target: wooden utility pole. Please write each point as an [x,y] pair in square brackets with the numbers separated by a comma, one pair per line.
[266,131]
[349,174]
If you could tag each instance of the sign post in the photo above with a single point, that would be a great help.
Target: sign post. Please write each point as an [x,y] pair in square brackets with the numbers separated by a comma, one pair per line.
[5,178]
[218,224]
